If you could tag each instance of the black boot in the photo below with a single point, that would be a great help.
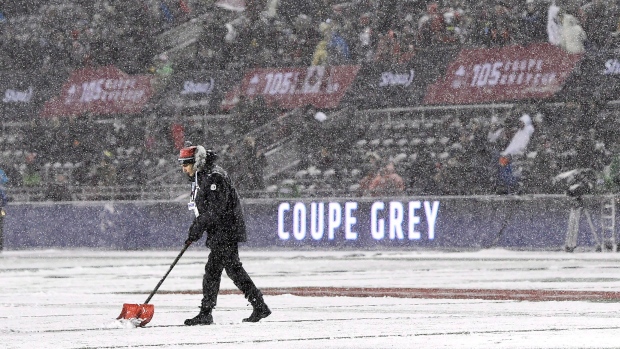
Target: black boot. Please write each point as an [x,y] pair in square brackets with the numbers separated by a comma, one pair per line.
[203,318]
[261,310]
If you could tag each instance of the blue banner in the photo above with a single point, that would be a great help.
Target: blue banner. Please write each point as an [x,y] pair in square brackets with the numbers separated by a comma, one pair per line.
[435,223]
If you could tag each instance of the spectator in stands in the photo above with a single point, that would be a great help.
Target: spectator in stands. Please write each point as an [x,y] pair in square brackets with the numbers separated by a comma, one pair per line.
[454,21]
[167,13]
[507,181]
[497,132]
[4,179]
[258,42]
[209,49]
[13,173]
[521,137]
[554,24]
[235,44]
[333,48]
[431,26]
[79,53]
[503,25]
[309,133]
[507,176]
[493,24]
[106,171]
[304,37]
[289,10]
[32,172]
[387,182]
[600,19]
[421,174]
[533,22]
[177,133]
[326,158]
[371,169]
[573,36]
[252,163]
[3,202]
[388,48]
[585,152]
[338,48]
[475,159]
[321,54]
[163,69]
[364,49]
[58,187]
[439,177]
[543,168]
[611,175]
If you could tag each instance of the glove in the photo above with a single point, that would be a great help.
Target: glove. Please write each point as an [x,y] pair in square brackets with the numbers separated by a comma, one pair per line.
[194,233]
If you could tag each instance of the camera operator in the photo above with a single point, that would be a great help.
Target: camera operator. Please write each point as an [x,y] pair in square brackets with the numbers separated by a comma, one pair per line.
[579,182]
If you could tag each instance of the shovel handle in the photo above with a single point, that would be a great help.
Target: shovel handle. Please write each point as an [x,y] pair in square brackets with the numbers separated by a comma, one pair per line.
[168,272]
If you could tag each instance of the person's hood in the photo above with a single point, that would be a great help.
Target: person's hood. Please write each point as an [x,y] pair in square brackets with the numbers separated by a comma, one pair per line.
[570,20]
[205,158]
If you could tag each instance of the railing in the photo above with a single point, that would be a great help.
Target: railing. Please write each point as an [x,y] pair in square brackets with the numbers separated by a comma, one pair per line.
[97,193]
[175,192]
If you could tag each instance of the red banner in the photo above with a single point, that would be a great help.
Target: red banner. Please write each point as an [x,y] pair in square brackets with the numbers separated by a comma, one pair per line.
[289,88]
[500,74]
[105,90]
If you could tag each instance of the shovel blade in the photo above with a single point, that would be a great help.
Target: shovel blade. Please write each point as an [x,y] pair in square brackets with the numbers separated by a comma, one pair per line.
[141,312]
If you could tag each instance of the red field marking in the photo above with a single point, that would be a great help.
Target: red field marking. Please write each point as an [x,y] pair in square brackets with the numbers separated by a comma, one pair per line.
[434,293]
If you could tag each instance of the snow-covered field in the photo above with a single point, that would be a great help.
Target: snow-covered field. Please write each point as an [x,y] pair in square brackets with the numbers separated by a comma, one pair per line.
[70,299]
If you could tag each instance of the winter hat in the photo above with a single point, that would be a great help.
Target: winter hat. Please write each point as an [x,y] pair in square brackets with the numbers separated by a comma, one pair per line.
[187,155]
[197,155]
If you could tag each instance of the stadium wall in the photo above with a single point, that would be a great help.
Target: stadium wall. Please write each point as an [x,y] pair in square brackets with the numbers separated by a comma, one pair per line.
[449,223]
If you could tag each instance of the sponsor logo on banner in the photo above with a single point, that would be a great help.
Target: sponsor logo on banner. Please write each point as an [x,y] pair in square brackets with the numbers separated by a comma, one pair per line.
[106,90]
[320,86]
[195,88]
[396,79]
[194,94]
[507,73]
[378,221]
[17,96]
[198,91]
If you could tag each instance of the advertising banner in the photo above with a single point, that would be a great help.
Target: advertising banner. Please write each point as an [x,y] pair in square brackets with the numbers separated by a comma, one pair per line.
[23,93]
[198,92]
[382,85]
[105,90]
[294,87]
[328,223]
[598,78]
[438,223]
[503,74]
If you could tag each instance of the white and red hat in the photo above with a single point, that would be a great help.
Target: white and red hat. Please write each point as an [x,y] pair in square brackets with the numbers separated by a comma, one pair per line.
[187,155]
[197,155]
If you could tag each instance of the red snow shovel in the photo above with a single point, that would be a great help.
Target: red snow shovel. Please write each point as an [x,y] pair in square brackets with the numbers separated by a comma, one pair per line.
[144,312]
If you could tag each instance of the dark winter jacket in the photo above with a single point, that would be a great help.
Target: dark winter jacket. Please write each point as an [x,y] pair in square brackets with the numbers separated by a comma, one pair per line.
[218,203]
[3,198]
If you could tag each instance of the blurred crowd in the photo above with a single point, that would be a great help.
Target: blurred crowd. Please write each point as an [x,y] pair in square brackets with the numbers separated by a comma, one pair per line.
[92,151]
[69,34]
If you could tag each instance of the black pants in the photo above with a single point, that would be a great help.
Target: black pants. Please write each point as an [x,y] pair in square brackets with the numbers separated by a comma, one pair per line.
[225,257]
